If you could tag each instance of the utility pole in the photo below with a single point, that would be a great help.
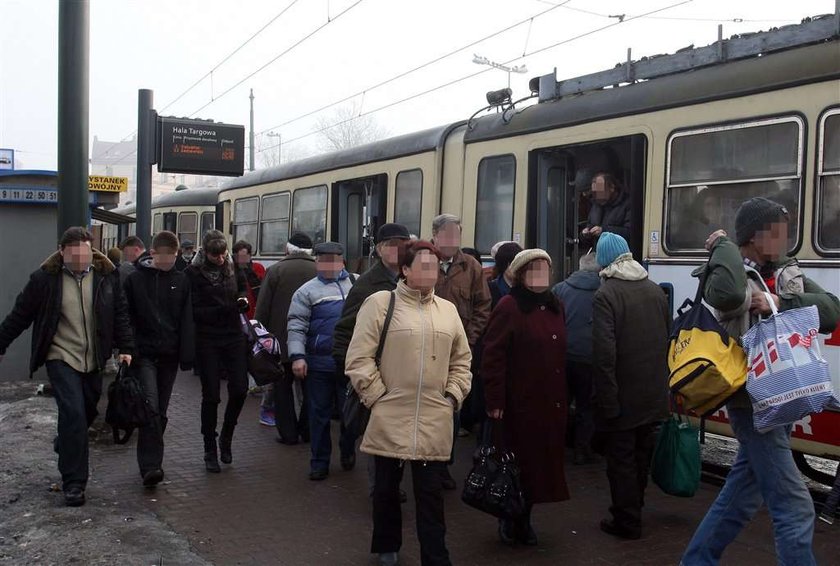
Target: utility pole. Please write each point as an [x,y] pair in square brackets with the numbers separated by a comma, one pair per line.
[73,107]
[146,140]
[279,137]
[251,137]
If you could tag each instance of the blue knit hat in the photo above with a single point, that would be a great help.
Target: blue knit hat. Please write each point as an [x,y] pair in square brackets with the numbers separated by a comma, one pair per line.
[610,246]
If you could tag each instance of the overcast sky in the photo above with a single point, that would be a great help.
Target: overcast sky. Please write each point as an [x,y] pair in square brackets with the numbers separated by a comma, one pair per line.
[168,45]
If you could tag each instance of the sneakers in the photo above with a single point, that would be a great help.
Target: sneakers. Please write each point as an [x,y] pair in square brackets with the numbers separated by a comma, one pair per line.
[74,497]
[152,478]
[267,417]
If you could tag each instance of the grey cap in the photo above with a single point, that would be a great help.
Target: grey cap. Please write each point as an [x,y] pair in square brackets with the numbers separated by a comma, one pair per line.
[328,248]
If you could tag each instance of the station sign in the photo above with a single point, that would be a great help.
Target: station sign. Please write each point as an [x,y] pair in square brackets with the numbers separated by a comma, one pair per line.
[200,148]
[7,158]
[104,184]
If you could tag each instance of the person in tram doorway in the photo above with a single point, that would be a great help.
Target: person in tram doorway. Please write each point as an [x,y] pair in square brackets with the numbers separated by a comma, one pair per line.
[218,298]
[316,307]
[185,255]
[764,470]
[576,293]
[524,369]
[610,210]
[281,281]
[132,248]
[462,282]
[77,306]
[631,324]
[422,379]
[160,307]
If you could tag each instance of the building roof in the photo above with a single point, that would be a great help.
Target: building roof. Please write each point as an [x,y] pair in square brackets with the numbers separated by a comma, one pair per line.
[113,153]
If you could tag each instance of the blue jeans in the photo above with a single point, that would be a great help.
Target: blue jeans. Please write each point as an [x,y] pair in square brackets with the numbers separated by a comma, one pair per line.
[763,472]
[322,389]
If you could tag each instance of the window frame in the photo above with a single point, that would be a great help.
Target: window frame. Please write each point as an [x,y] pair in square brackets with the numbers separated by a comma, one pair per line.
[818,175]
[477,190]
[201,223]
[326,189]
[397,199]
[288,194]
[741,123]
[157,222]
[256,222]
[178,224]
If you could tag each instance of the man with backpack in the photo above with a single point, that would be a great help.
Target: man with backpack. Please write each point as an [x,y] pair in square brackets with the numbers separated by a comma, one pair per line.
[742,276]
[315,309]
[77,306]
[160,307]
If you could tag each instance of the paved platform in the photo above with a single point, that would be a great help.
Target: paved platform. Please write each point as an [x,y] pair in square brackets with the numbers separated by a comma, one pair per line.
[263,510]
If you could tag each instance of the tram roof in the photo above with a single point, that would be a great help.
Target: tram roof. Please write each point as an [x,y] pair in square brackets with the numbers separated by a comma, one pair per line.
[784,69]
[206,196]
[391,148]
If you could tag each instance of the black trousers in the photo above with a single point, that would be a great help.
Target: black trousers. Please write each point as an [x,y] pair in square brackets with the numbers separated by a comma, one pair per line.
[157,378]
[579,379]
[628,455]
[289,426]
[428,498]
[222,355]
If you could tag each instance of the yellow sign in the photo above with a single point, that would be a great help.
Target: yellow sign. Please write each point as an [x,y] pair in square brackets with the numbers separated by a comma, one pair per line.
[104,184]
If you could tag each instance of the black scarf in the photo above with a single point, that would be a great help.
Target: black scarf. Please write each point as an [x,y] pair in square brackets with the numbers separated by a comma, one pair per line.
[528,300]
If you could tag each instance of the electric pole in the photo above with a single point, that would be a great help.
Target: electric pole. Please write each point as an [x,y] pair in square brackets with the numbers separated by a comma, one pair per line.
[251,136]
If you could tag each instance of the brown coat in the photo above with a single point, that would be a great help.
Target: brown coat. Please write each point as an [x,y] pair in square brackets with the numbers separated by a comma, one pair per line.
[465,286]
[426,357]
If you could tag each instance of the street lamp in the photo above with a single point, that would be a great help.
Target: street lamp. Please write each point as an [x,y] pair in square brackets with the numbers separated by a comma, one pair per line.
[480,60]
[279,145]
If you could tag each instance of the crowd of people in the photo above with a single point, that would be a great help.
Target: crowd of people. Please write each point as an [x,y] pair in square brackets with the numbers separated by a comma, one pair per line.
[435,350]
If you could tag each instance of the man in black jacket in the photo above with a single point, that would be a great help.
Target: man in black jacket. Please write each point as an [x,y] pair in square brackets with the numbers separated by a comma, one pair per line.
[159,304]
[610,210]
[77,306]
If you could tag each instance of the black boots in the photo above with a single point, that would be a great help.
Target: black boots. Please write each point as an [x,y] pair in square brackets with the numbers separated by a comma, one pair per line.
[211,459]
[224,445]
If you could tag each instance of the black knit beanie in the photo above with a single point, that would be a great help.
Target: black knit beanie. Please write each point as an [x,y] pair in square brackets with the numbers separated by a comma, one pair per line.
[754,215]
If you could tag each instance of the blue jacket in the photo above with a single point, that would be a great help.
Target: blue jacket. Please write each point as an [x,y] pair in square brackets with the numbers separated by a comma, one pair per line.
[576,293]
[315,309]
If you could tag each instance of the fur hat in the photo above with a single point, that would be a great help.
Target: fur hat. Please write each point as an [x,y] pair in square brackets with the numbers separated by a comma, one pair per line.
[525,257]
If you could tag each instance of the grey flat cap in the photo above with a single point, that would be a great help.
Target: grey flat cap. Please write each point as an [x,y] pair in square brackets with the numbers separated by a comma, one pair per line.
[328,248]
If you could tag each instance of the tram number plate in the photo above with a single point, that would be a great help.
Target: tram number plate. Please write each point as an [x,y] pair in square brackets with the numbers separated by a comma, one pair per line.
[33,195]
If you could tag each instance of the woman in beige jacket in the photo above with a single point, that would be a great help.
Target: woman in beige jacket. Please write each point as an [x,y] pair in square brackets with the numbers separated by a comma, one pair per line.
[423,377]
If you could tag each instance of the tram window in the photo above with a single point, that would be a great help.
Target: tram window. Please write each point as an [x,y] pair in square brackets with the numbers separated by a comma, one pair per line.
[208,222]
[494,203]
[187,226]
[828,234]
[245,215]
[408,200]
[712,171]
[274,224]
[309,212]
[157,223]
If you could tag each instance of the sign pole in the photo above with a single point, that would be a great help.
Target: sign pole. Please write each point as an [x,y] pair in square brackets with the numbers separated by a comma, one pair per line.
[73,105]
[146,129]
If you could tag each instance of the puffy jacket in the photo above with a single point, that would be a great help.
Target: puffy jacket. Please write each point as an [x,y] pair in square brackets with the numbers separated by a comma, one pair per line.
[160,307]
[576,293]
[39,304]
[426,357]
[214,298]
[612,216]
[315,309]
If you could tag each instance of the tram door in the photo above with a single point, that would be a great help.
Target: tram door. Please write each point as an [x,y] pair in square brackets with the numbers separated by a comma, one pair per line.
[358,212]
[554,208]
[170,222]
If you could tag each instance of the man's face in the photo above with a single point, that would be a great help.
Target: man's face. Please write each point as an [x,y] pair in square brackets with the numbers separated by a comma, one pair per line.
[131,253]
[448,240]
[187,253]
[601,192]
[163,258]
[329,265]
[389,251]
[77,256]
[242,257]
[771,243]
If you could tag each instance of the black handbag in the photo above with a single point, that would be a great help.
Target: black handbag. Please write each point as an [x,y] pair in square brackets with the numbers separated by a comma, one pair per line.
[263,366]
[127,405]
[494,485]
[355,415]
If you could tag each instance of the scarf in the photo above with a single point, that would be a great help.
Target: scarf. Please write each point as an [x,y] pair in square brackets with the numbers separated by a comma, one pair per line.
[528,301]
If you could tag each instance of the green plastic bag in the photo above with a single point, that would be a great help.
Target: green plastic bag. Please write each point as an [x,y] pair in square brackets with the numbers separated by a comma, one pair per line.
[676,458]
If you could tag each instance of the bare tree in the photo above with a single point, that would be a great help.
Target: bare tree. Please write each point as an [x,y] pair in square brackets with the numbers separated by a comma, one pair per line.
[344,128]
[270,154]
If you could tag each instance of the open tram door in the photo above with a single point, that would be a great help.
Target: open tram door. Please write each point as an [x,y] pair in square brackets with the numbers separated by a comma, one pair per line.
[559,199]
[358,210]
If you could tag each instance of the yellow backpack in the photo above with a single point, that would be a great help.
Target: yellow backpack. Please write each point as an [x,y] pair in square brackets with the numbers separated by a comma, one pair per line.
[707,365]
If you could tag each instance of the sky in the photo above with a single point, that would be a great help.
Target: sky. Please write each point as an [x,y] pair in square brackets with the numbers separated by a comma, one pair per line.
[322,51]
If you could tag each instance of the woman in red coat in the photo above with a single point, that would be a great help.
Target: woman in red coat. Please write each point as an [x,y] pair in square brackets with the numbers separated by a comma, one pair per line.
[525,385]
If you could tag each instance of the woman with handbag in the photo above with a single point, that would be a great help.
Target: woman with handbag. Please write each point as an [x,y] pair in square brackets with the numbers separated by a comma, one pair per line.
[523,369]
[412,383]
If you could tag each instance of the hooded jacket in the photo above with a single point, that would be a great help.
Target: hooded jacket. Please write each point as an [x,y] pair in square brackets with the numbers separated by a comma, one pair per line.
[214,291]
[160,306]
[576,293]
[39,304]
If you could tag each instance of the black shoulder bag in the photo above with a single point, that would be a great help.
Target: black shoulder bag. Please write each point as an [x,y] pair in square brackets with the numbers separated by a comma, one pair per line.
[127,405]
[355,415]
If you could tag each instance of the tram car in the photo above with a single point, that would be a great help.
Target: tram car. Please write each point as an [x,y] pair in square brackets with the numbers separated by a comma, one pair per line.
[689,136]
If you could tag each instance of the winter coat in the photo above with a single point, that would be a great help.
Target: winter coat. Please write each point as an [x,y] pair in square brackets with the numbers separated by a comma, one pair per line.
[613,216]
[576,294]
[39,304]
[730,284]
[631,324]
[498,288]
[425,362]
[160,307]
[465,286]
[281,281]
[215,290]
[375,279]
[315,309]
[524,373]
